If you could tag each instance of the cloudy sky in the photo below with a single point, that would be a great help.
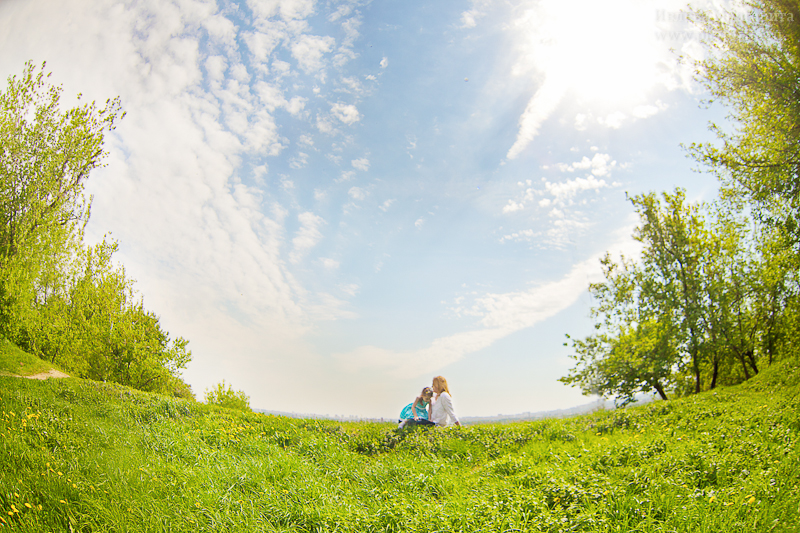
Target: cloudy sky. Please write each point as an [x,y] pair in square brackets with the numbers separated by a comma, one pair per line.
[336,201]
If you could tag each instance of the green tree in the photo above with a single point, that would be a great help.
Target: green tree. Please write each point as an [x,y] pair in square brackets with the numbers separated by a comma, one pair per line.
[753,68]
[688,315]
[636,351]
[46,155]
[224,396]
[95,327]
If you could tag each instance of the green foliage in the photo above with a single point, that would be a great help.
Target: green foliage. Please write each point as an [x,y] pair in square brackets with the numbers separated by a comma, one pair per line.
[753,68]
[45,157]
[59,299]
[100,457]
[707,304]
[225,396]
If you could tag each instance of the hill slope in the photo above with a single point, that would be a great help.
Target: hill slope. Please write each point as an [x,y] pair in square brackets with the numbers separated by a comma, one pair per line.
[85,456]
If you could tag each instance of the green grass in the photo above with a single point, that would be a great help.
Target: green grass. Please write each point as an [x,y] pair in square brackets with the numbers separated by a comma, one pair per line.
[19,363]
[78,455]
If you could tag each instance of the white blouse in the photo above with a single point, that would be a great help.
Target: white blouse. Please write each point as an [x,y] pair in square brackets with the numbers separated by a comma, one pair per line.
[443,413]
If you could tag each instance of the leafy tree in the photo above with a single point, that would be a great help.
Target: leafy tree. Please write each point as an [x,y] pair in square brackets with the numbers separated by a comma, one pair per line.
[225,396]
[636,352]
[690,312]
[753,68]
[59,299]
[46,155]
[96,328]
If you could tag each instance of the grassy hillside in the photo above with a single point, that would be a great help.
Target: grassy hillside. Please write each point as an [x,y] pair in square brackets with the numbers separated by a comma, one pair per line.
[84,456]
[14,361]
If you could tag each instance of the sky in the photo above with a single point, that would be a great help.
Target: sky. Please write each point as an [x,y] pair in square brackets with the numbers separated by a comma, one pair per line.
[336,201]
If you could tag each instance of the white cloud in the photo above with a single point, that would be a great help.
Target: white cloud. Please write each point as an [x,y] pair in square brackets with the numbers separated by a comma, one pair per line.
[613,120]
[360,164]
[347,113]
[215,66]
[419,222]
[384,62]
[307,236]
[599,164]
[385,205]
[299,161]
[500,315]
[539,108]
[330,264]
[346,175]
[469,18]
[512,206]
[357,193]
[569,188]
[351,289]
[309,51]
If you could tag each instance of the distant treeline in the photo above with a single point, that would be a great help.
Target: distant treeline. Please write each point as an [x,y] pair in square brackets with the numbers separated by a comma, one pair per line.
[715,296]
[60,299]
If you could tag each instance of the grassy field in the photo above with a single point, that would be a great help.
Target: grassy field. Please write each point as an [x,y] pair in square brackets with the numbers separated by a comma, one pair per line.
[78,455]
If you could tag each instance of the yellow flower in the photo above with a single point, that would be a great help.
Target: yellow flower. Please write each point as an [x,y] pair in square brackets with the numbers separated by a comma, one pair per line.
[27,505]
[74,486]
[711,499]
[62,501]
[60,474]
[752,499]
[16,495]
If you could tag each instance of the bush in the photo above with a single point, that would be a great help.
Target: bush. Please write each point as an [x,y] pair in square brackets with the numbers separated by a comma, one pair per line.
[225,396]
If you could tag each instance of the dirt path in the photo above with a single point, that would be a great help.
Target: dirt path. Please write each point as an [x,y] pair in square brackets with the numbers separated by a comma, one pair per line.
[52,373]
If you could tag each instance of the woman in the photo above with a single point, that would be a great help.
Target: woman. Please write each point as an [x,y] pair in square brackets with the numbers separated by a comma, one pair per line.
[442,412]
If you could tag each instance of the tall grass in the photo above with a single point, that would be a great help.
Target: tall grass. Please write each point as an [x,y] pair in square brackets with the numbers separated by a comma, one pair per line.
[83,456]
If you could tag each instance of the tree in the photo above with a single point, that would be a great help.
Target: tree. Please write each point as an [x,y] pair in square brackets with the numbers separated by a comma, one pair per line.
[93,326]
[46,156]
[225,396]
[60,299]
[636,352]
[686,312]
[753,68]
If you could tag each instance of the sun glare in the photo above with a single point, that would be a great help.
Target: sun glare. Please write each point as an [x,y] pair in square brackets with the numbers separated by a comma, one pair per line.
[605,54]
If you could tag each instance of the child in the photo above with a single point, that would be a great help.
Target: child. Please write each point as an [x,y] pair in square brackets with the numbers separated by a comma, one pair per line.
[416,412]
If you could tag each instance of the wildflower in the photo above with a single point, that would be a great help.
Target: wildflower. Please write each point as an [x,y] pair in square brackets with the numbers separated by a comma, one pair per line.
[751,500]
[27,505]
[62,501]
[13,509]
[16,495]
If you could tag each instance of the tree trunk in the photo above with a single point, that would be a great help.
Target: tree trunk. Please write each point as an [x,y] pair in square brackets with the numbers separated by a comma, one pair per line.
[715,372]
[751,358]
[660,390]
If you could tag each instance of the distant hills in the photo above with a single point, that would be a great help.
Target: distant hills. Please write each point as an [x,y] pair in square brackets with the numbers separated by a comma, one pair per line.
[500,418]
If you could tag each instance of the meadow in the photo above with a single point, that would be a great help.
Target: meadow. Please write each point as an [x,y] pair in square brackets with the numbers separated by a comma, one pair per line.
[78,455]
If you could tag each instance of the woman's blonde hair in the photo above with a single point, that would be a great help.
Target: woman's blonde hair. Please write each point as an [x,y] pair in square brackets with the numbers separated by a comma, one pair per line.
[439,380]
